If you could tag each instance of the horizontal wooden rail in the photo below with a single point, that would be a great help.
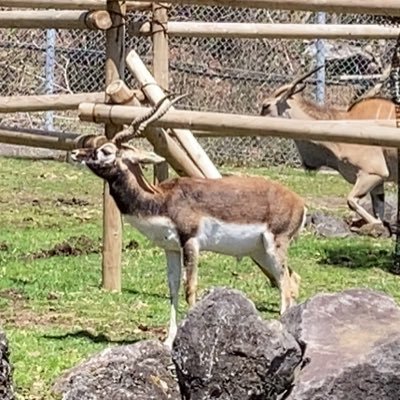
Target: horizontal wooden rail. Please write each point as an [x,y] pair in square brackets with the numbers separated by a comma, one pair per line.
[386,7]
[38,138]
[359,132]
[72,4]
[377,7]
[46,19]
[51,102]
[273,31]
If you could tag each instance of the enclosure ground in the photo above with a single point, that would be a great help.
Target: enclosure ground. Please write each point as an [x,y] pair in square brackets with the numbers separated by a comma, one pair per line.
[52,308]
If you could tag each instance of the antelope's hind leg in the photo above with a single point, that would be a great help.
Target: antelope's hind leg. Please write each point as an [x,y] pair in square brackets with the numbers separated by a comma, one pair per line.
[190,262]
[271,258]
[174,264]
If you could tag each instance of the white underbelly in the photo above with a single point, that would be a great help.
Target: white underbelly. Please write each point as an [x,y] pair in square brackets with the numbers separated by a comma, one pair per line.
[160,230]
[229,238]
[213,235]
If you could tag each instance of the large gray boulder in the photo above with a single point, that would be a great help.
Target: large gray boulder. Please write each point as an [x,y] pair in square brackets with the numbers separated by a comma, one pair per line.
[6,385]
[352,342]
[224,350]
[142,371]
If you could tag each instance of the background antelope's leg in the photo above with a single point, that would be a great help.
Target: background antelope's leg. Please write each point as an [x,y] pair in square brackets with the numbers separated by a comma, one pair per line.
[364,185]
[378,201]
[174,263]
[190,263]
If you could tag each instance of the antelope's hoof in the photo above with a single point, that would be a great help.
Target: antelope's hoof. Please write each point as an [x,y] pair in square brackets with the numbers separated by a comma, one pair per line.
[375,230]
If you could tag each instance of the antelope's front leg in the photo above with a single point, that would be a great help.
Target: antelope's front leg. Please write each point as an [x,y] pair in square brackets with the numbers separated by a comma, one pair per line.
[174,264]
[190,262]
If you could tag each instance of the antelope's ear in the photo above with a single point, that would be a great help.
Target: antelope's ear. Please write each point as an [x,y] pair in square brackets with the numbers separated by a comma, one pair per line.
[149,157]
[136,156]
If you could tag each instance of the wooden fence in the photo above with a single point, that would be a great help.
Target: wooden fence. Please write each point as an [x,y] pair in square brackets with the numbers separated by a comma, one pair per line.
[179,146]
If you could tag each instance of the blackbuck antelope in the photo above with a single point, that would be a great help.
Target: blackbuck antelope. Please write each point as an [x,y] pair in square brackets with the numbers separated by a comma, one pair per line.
[366,167]
[237,216]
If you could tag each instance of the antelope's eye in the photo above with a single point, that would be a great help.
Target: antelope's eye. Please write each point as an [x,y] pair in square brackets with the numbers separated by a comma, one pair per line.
[106,152]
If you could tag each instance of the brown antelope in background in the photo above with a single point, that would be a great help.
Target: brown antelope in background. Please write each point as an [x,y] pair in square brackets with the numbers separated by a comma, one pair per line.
[237,216]
[367,167]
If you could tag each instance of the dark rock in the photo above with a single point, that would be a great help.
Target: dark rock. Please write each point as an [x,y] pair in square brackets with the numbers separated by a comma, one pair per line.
[328,225]
[352,342]
[224,350]
[6,386]
[142,371]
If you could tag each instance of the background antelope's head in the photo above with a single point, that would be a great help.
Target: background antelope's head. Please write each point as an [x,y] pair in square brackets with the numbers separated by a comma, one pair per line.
[282,102]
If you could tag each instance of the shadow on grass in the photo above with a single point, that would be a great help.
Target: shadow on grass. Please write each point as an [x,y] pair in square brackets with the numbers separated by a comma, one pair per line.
[272,308]
[359,255]
[23,281]
[146,294]
[95,338]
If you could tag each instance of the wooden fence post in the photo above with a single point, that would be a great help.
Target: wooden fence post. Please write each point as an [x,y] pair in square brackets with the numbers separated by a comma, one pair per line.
[160,65]
[112,222]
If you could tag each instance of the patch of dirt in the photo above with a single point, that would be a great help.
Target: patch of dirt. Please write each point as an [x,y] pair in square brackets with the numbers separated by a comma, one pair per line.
[329,202]
[22,317]
[13,294]
[132,245]
[61,201]
[4,246]
[19,315]
[73,246]
[152,331]
[53,296]
[36,202]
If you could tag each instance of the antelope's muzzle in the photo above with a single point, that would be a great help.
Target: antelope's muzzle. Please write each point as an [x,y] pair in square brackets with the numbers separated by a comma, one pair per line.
[82,155]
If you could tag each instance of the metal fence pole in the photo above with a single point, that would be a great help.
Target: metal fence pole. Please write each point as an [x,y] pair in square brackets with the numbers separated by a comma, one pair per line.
[320,58]
[49,73]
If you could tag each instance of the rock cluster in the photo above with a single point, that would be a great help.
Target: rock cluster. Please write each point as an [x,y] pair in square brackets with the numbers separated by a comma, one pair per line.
[6,384]
[332,347]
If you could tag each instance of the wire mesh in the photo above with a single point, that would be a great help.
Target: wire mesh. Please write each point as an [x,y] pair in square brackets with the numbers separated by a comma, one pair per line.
[225,75]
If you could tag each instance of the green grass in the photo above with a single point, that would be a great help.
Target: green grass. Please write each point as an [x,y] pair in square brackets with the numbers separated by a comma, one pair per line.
[53,309]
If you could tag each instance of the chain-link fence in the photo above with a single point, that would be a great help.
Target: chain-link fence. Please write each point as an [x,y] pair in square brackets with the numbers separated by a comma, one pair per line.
[226,75]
